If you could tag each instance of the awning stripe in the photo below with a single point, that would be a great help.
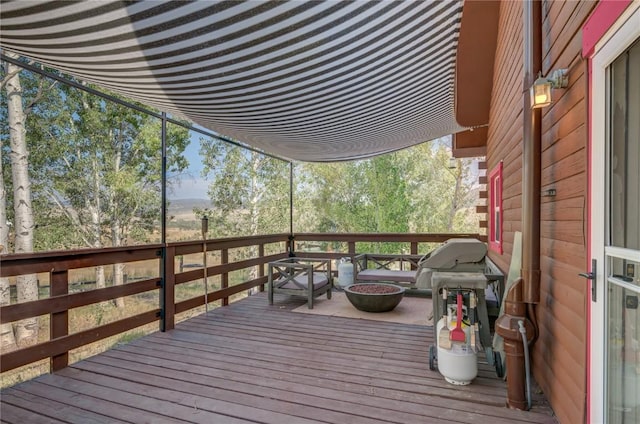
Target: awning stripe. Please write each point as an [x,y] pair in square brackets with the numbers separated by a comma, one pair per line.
[425,98]
[308,80]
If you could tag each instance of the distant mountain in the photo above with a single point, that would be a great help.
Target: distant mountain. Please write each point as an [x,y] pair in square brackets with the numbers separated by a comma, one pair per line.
[180,206]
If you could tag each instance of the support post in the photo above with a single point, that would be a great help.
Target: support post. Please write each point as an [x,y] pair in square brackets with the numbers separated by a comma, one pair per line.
[291,198]
[224,278]
[261,266]
[167,266]
[291,246]
[414,251]
[59,327]
[205,231]
[168,304]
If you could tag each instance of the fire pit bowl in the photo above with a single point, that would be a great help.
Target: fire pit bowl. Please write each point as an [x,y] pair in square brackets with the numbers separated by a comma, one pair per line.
[374,297]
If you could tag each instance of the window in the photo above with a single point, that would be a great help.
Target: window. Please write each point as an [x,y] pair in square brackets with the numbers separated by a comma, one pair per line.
[495,209]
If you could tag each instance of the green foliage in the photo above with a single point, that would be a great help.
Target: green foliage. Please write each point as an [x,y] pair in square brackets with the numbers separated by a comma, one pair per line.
[249,191]
[412,190]
[36,94]
[95,171]
[353,197]
[95,166]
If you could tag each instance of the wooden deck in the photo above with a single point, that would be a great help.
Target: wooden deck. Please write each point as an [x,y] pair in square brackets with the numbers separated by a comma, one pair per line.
[254,363]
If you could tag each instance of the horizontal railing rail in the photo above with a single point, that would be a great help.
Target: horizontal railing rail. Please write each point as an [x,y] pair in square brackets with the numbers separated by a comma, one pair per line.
[60,263]
[385,237]
[55,304]
[414,240]
[31,263]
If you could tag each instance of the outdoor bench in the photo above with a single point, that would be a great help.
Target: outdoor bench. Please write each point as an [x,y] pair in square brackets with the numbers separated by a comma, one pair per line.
[377,267]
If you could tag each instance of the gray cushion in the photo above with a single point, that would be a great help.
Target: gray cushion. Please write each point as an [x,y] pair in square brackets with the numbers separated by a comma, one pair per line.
[319,280]
[387,275]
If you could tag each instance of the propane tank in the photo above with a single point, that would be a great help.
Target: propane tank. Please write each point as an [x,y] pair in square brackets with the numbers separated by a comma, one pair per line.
[345,272]
[457,361]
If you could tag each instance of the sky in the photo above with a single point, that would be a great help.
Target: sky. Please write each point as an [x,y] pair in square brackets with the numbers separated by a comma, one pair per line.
[189,184]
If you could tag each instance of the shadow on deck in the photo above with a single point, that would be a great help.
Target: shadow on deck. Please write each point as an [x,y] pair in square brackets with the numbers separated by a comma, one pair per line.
[251,362]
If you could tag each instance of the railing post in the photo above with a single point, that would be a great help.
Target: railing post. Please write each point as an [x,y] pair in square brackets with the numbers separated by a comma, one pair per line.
[291,245]
[224,278]
[205,231]
[291,198]
[59,327]
[167,291]
[414,251]
[261,267]
[352,248]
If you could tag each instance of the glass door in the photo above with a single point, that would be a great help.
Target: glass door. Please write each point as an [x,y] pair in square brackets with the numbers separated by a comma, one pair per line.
[622,240]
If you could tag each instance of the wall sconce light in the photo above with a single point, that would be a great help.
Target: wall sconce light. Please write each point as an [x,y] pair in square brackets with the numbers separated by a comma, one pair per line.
[453,164]
[541,88]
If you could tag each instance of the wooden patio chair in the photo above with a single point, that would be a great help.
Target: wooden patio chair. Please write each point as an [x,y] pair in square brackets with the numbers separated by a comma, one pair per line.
[300,277]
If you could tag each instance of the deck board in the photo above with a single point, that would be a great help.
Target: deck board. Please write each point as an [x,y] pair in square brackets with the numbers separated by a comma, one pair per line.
[254,363]
[56,411]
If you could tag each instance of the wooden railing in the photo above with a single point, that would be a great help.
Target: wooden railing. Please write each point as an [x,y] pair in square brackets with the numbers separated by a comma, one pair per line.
[59,264]
[413,240]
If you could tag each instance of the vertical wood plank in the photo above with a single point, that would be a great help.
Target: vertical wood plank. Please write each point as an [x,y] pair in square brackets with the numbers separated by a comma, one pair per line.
[352,247]
[261,267]
[59,320]
[291,245]
[414,251]
[168,301]
[224,278]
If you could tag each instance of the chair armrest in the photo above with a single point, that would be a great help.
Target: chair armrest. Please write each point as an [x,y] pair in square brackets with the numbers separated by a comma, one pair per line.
[303,264]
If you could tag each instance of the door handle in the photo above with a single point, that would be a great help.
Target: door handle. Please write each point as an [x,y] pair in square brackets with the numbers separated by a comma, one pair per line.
[592,276]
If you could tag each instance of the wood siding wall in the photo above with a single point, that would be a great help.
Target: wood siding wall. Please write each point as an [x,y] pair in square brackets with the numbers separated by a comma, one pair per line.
[559,355]
[504,142]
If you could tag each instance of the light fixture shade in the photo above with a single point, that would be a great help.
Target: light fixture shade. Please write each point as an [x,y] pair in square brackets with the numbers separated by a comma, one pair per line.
[540,93]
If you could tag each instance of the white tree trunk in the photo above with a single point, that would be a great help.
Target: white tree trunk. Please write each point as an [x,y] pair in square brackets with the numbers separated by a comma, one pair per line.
[118,280]
[27,285]
[7,338]
[118,269]
[100,278]
[116,227]
[95,226]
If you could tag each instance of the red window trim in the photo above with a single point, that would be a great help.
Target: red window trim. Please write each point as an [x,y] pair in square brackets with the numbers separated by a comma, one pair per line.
[605,14]
[495,199]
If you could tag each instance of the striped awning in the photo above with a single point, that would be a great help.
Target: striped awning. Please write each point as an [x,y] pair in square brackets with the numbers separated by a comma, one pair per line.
[306,80]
